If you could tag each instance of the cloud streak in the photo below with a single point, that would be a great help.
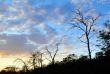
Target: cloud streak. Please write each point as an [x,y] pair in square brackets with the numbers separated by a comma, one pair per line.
[25,23]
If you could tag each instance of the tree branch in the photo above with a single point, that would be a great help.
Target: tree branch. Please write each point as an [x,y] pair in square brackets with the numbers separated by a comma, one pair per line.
[56,51]
[50,54]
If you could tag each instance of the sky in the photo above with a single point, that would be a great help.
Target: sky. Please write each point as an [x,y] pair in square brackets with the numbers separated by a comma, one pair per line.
[30,25]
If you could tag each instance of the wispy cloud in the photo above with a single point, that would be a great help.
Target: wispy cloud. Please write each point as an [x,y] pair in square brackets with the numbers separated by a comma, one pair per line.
[25,23]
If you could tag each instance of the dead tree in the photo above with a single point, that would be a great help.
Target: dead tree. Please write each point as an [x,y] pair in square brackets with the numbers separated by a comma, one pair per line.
[86,25]
[36,59]
[25,66]
[53,55]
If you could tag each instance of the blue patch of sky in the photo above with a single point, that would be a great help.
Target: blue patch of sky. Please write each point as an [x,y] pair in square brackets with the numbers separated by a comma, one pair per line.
[41,30]
[9,2]
[48,2]
[67,8]
[102,8]
[56,27]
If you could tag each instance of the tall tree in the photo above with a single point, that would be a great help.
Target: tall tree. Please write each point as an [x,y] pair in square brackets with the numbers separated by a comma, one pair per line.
[86,25]
[104,37]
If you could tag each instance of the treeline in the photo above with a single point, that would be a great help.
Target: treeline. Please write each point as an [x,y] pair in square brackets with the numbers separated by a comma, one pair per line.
[99,65]
[71,64]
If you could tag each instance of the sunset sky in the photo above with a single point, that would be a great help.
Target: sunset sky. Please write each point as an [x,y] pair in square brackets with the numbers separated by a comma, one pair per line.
[29,25]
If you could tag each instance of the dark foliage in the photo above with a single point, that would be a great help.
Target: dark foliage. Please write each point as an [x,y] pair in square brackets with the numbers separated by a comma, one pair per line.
[85,66]
[72,64]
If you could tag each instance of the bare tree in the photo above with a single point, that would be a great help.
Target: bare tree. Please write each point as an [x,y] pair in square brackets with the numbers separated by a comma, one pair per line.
[53,55]
[25,66]
[86,25]
[36,59]
[39,58]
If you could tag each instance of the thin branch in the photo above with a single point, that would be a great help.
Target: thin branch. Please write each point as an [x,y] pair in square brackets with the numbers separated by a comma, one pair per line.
[80,27]
[82,36]
[50,54]
[83,42]
[56,51]
[20,60]
[48,59]
[93,23]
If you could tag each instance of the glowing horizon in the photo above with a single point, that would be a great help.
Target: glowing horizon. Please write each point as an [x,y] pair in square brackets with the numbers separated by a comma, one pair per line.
[31,25]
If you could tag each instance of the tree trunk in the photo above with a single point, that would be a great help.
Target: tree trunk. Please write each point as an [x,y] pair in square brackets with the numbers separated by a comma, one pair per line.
[88,46]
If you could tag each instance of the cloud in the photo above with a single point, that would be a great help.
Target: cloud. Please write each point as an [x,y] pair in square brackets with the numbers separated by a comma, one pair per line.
[29,25]
[83,4]
[14,44]
[25,24]
[103,1]
[80,1]
[59,16]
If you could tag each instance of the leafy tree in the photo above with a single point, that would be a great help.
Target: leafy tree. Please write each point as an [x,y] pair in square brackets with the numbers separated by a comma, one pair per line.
[69,58]
[83,58]
[99,54]
[104,37]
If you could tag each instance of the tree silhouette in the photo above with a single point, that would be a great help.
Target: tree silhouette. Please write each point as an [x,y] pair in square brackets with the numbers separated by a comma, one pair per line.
[69,58]
[104,37]
[36,59]
[83,58]
[86,25]
[25,66]
[99,54]
[10,68]
[53,55]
